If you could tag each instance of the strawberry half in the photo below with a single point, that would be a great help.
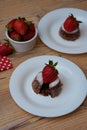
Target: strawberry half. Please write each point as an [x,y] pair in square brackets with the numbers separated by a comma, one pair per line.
[71,23]
[49,72]
[5,49]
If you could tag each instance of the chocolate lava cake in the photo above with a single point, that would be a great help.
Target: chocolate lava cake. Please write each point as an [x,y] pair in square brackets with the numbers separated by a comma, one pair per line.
[70,29]
[47,81]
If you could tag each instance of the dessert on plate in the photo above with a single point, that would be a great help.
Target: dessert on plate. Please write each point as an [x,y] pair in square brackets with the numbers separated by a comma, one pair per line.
[70,28]
[47,81]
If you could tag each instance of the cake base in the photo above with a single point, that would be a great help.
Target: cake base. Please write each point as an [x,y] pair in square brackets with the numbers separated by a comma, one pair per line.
[45,90]
[69,37]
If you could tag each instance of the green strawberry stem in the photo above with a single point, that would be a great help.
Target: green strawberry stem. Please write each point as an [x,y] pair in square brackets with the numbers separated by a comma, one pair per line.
[29,22]
[53,64]
[22,18]
[75,18]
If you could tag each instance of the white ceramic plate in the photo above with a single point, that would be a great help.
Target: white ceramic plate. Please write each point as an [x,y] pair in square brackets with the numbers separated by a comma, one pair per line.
[50,24]
[71,97]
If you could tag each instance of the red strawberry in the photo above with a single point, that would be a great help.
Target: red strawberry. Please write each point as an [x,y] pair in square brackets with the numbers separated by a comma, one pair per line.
[30,32]
[15,36]
[49,73]
[20,26]
[32,27]
[71,23]
[5,49]
[5,63]
[28,35]
[9,26]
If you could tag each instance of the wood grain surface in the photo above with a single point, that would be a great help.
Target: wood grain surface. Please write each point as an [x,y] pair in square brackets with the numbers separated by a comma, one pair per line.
[13,117]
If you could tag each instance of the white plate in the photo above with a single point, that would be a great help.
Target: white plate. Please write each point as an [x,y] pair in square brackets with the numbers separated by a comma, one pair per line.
[71,97]
[50,24]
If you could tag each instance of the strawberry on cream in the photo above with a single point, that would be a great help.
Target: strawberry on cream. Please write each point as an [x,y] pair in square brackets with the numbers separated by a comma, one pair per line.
[72,32]
[39,78]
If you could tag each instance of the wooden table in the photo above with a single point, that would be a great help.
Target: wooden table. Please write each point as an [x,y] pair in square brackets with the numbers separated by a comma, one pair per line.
[13,117]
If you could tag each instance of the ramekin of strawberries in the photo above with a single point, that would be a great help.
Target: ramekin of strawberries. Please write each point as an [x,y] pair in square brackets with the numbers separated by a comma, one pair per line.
[21,34]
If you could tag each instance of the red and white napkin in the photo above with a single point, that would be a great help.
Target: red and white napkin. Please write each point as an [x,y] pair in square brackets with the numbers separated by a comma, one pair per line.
[5,63]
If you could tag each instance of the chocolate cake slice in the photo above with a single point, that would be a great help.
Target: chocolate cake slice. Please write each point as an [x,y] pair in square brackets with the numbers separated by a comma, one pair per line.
[47,82]
[69,36]
[47,89]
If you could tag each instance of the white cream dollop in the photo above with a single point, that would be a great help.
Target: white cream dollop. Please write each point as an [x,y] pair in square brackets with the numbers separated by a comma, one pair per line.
[54,83]
[39,78]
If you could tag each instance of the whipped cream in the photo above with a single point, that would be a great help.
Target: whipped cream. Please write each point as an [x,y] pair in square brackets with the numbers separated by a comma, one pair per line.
[39,78]
[54,83]
[76,30]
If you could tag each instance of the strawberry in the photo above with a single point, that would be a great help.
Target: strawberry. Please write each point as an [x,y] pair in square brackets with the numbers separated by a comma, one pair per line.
[71,23]
[28,35]
[5,49]
[9,26]
[49,72]
[5,63]
[20,26]
[32,27]
[15,36]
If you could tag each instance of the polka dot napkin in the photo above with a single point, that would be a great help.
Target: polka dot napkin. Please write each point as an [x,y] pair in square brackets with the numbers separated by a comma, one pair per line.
[5,63]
